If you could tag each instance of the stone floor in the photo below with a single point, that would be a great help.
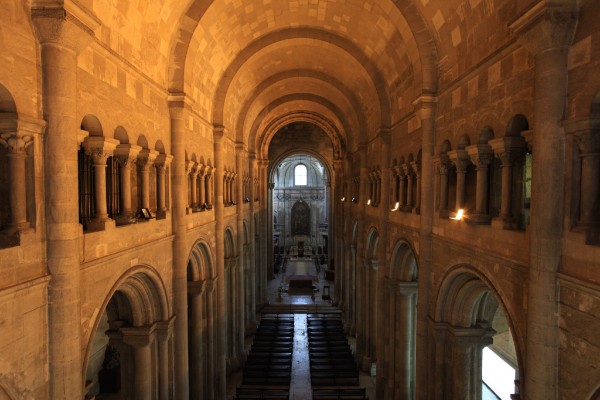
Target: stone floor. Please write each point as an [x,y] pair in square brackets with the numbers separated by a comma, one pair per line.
[300,388]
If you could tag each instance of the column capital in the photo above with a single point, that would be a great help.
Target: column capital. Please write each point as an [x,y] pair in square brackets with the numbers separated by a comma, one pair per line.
[68,25]
[99,148]
[460,158]
[547,25]
[416,167]
[509,149]
[126,154]
[407,168]
[146,158]
[16,143]
[425,105]
[196,288]
[481,155]
[140,336]
[191,167]
[164,329]
[588,143]
[442,161]
[163,160]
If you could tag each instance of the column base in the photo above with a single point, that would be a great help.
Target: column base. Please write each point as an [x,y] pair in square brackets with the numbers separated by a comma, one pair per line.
[125,219]
[162,214]
[101,225]
[478,219]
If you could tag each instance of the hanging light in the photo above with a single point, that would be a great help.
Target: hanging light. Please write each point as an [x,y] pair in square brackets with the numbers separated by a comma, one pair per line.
[397,207]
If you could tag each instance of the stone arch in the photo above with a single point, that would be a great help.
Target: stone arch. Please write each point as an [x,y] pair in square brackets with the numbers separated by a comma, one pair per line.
[403,266]
[371,253]
[517,124]
[121,135]
[137,305]
[467,309]
[596,395]
[200,263]
[400,310]
[230,250]
[201,302]
[7,101]
[92,125]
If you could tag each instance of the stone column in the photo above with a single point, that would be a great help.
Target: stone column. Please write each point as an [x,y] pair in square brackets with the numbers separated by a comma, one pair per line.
[241,265]
[209,180]
[177,110]
[482,156]
[589,203]
[408,172]
[99,149]
[144,161]
[195,291]
[161,163]
[141,339]
[202,186]
[164,333]
[402,188]
[443,165]
[251,324]
[390,349]
[17,144]
[126,155]
[190,178]
[465,370]
[460,158]
[405,347]
[510,150]
[546,30]
[220,321]
[425,107]
[215,354]
[63,32]
[269,237]
[416,167]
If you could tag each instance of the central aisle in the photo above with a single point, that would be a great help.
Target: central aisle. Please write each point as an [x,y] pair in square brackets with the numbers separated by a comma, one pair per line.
[300,388]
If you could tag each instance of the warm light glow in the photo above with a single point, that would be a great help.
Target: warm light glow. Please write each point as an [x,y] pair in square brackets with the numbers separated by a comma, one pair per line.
[369,202]
[459,215]
[343,198]
[396,207]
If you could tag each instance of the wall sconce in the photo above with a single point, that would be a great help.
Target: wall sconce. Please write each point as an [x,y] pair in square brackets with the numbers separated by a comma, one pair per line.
[459,215]
[344,198]
[396,207]
[369,202]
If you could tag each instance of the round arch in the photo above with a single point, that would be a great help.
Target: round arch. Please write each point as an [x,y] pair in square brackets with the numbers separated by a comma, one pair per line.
[403,265]
[230,250]
[467,304]
[142,286]
[372,248]
[273,164]
[200,264]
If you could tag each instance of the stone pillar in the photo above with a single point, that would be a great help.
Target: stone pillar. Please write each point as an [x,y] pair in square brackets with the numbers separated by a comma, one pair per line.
[464,372]
[404,383]
[141,339]
[17,145]
[252,276]
[164,333]
[510,150]
[209,180]
[546,30]
[589,203]
[126,155]
[425,107]
[63,32]
[241,265]
[416,167]
[202,186]
[99,149]
[191,169]
[145,160]
[482,156]
[177,109]
[408,172]
[196,353]
[402,188]
[214,353]
[460,158]
[161,163]
[443,165]
[220,321]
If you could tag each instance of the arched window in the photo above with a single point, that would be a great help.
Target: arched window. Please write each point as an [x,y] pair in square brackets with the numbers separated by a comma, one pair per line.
[300,175]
